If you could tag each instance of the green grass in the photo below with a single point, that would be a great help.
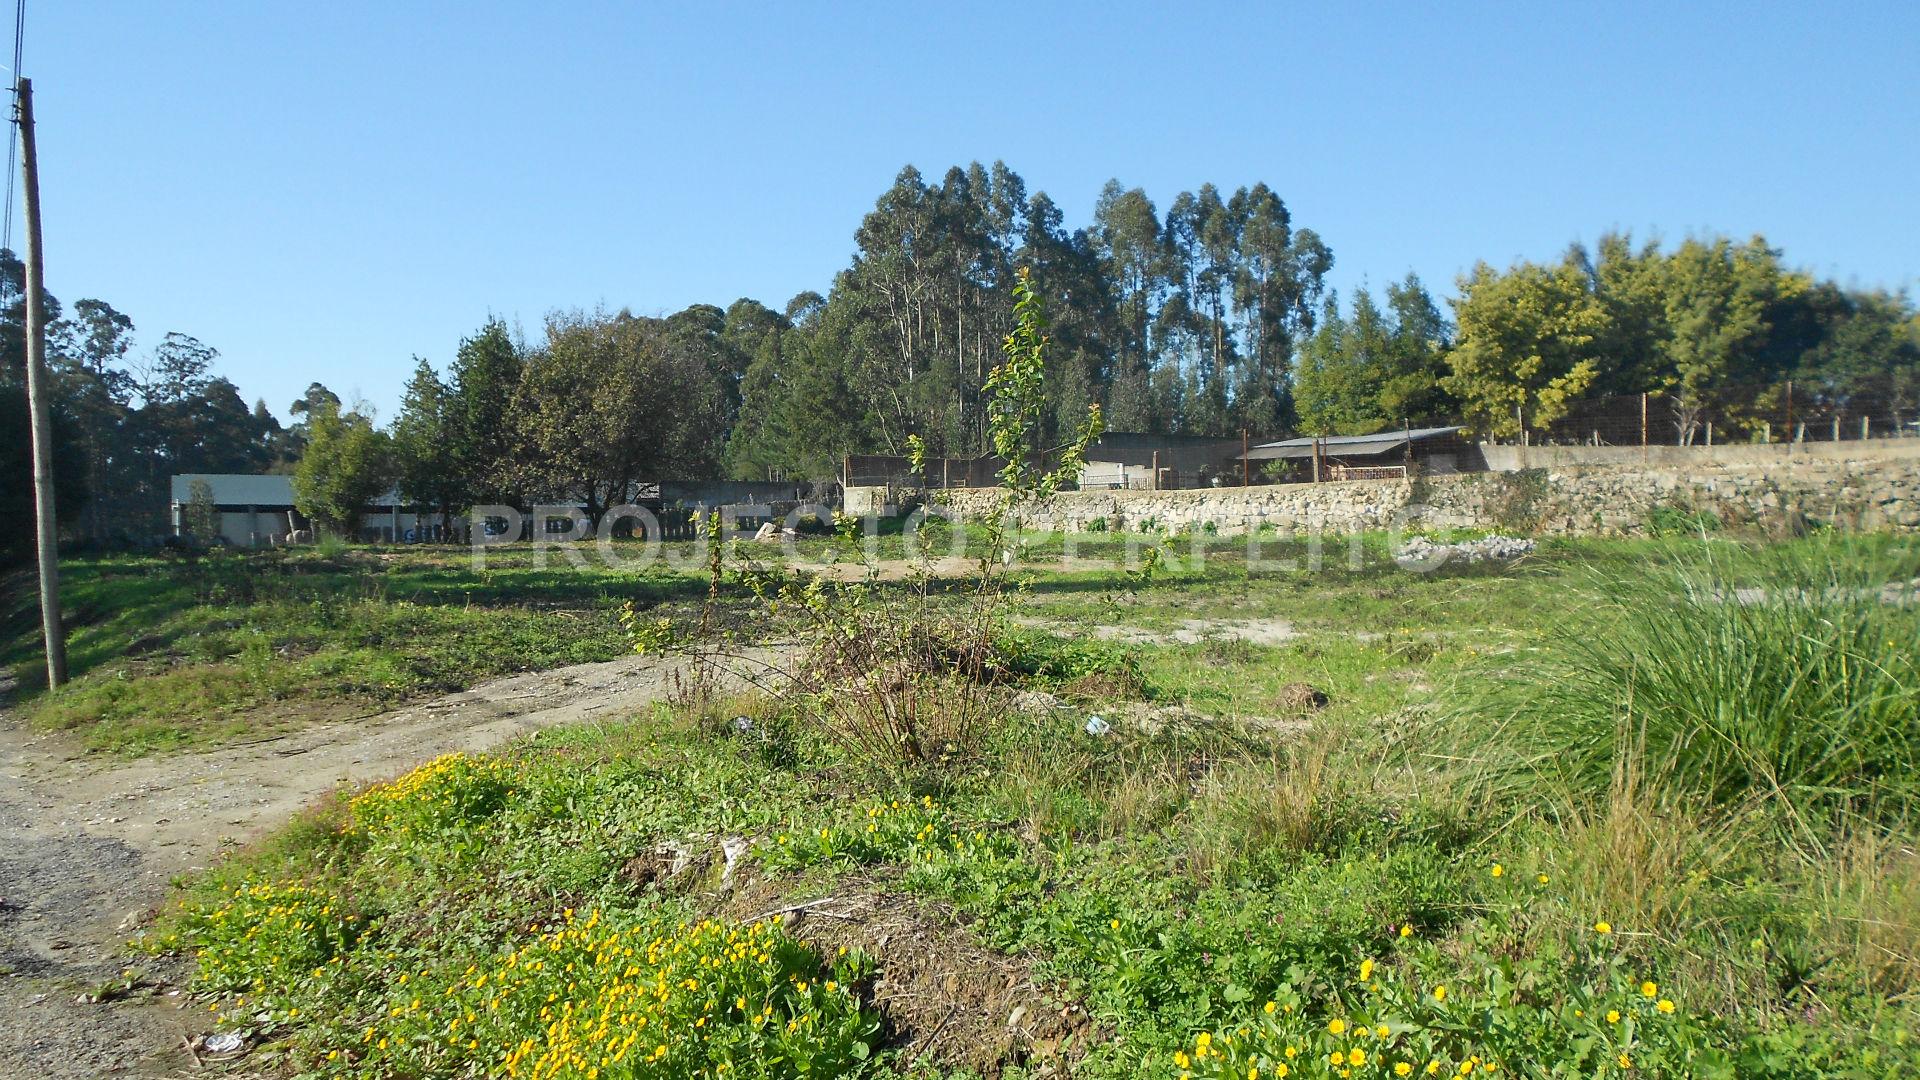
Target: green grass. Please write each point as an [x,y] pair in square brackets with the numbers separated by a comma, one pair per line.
[1727,676]
[1175,879]
[170,652]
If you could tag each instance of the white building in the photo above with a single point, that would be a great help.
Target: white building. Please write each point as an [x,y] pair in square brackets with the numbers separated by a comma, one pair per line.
[256,510]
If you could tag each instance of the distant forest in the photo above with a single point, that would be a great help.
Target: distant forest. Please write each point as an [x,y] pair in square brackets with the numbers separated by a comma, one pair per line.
[1209,317]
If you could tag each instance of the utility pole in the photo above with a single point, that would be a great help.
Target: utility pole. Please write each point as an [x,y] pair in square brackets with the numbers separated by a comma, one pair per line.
[48,530]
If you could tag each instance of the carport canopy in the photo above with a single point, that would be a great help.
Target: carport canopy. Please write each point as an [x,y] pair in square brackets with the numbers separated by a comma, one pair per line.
[1345,445]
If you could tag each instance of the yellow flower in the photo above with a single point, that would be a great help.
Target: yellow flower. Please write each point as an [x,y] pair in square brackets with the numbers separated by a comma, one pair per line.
[1406,930]
[1180,1058]
[1649,989]
[1439,993]
[1253,1073]
[1336,1025]
[1432,1067]
[1281,1069]
[1270,1008]
[1115,924]
[1603,927]
[1382,1031]
[1625,1061]
[1665,1006]
[1498,870]
[1613,1016]
[1402,1069]
[1356,1056]
[1366,970]
[1543,879]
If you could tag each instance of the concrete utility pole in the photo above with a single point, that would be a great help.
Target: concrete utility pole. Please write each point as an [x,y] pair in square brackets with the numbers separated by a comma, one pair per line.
[48,535]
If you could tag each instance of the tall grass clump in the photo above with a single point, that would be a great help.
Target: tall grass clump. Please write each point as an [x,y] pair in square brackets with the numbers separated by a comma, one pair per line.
[1726,675]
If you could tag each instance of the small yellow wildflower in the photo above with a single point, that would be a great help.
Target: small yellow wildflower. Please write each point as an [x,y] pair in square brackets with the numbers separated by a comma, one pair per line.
[1603,927]
[1270,1008]
[1613,1016]
[1649,989]
[1439,993]
[1498,870]
[1336,1025]
[1665,1006]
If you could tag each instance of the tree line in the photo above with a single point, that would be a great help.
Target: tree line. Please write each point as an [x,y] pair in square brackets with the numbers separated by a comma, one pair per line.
[1209,317]
[125,420]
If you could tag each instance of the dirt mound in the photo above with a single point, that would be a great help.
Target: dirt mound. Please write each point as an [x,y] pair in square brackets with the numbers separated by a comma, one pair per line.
[948,1000]
[1299,697]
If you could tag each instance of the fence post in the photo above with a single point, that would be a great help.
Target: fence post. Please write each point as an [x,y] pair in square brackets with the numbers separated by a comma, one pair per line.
[1866,423]
[1644,455]
[1836,429]
[1790,437]
[1246,467]
[1766,432]
[1709,434]
[1156,470]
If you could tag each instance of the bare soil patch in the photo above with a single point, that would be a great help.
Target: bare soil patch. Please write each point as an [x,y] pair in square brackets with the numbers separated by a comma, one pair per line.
[948,1000]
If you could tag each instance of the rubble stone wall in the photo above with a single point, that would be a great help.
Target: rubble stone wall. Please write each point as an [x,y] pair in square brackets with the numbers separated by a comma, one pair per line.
[1876,490]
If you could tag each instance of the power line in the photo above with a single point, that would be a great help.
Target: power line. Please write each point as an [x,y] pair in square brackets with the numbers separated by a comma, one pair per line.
[13,144]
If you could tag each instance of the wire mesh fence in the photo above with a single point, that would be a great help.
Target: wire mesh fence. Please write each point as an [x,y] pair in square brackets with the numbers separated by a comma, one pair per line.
[1787,411]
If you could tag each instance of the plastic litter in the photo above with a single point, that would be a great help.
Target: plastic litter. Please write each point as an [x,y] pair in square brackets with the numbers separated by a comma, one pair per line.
[224,1042]
[1098,726]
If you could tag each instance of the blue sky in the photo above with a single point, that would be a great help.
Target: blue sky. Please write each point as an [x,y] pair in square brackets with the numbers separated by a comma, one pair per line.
[322,191]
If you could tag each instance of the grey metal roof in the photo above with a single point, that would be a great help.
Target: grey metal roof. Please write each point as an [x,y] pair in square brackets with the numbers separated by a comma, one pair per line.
[237,489]
[249,489]
[1339,445]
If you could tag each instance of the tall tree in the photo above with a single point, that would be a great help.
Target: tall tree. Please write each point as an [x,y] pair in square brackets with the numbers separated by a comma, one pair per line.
[423,446]
[347,465]
[486,372]
[1526,347]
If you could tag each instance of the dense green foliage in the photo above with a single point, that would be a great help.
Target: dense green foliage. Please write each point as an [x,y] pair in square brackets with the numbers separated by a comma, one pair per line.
[346,465]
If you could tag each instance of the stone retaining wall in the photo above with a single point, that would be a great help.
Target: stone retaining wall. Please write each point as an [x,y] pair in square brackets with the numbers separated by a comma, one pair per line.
[1876,491]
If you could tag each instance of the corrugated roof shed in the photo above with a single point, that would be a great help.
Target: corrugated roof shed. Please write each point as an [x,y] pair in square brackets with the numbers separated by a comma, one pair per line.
[1341,445]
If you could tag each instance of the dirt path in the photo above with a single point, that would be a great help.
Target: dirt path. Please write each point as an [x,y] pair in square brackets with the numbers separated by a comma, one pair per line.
[88,845]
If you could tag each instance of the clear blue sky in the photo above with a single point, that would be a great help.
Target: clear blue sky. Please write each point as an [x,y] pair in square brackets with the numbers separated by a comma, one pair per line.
[322,191]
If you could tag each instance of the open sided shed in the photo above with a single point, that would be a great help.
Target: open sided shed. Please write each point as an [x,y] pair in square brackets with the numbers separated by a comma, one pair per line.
[1436,450]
